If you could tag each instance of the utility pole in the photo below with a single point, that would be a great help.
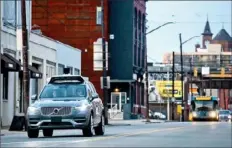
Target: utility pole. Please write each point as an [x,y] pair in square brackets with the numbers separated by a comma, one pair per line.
[105,92]
[0,64]
[147,87]
[182,79]
[173,83]
[168,101]
[25,59]
[191,77]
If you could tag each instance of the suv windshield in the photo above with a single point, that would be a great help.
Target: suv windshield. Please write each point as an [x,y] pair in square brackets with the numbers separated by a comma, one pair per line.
[224,112]
[63,91]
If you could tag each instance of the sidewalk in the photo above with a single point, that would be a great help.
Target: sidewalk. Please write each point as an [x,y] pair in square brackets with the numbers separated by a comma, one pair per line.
[5,131]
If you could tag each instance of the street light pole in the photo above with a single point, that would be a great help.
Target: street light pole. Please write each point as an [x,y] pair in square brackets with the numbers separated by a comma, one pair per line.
[25,59]
[173,83]
[147,86]
[105,92]
[0,64]
[182,73]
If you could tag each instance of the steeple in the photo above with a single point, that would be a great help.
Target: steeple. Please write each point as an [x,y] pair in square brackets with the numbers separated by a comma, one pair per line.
[207,30]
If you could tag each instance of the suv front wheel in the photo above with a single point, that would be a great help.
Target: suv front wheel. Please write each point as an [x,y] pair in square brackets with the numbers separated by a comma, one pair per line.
[100,129]
[89,130]
[32,133]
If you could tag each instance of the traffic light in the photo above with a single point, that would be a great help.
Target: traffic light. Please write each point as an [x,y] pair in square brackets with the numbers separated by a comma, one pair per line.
[195,72]
[222,71]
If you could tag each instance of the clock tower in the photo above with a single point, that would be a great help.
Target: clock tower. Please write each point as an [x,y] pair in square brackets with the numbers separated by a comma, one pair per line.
[207,35]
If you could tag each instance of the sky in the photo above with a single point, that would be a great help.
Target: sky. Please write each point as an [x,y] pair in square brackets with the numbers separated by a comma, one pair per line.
[190,18]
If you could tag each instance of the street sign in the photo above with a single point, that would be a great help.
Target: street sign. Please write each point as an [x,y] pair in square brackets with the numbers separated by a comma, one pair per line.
[107,82]
[222,71]
[205,70]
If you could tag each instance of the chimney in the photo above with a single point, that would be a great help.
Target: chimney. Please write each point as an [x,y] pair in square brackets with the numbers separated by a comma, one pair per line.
[197,46]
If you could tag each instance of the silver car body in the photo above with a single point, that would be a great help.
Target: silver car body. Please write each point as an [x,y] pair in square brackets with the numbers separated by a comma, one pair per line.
[66,112]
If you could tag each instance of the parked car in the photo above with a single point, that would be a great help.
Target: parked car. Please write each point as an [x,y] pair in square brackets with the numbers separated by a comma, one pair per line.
[159,115]
[224,115]
[66,102]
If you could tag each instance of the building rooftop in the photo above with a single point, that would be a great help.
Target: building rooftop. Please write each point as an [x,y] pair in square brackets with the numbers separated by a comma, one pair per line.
[222,36]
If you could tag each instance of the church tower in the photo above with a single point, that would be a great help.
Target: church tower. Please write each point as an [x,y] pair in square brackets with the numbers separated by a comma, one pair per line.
[207,35]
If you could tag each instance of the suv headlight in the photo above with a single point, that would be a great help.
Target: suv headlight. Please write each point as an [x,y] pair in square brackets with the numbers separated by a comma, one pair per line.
[83,107]
[33,111]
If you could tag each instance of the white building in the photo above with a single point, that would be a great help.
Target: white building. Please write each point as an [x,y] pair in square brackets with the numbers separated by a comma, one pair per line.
[45,56]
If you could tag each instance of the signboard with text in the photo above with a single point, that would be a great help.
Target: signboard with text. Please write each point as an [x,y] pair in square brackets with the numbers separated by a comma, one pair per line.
[165,89]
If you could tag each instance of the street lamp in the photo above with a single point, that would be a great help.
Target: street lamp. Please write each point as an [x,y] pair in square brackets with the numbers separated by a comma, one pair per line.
[147,90]
[182,77]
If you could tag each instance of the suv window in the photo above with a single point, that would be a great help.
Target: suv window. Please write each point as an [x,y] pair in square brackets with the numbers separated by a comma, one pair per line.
[94,90]
[64,90]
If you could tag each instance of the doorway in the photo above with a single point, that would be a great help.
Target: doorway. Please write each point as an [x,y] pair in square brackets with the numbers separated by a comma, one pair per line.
[117,101]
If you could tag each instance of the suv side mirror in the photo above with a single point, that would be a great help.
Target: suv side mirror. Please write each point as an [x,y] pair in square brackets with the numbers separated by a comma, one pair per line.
[95,95]
[34,97]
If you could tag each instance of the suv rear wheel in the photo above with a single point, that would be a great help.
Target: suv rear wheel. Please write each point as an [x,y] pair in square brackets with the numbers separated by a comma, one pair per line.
[100,129]
[48,132]
[89,130]
[32,133]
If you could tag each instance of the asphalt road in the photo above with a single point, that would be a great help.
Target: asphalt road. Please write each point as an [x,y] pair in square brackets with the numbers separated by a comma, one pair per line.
[173,134]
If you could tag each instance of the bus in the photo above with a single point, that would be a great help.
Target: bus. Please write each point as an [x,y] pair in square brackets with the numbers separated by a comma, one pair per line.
[204,108]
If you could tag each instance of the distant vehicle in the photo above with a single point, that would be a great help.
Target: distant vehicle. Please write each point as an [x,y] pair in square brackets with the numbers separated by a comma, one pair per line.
[159,115]
[66,102]
[225,115]
[204,108]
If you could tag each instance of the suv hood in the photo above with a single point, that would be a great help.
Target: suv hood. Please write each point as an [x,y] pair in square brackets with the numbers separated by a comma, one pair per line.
[59,102]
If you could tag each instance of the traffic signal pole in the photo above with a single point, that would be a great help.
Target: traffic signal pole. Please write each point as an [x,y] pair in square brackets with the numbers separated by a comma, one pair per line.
[105,91]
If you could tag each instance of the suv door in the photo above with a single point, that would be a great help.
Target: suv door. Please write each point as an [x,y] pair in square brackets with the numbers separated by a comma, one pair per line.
[94,104]
[98,104]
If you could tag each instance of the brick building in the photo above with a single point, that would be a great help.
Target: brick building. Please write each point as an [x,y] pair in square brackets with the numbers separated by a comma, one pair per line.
[73,22]
[77,23]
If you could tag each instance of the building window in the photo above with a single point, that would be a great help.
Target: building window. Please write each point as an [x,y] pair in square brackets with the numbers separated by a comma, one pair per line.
[135,54]
[60,69]
[50,71]
[139,22]
[71,70]
[99,16]
[142,94]
[76,71]
[5,85]
[9,16]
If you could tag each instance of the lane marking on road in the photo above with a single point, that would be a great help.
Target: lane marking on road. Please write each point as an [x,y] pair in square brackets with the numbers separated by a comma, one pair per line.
[101,138]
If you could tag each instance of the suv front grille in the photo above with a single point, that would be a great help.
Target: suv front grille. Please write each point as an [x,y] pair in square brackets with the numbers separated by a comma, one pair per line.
[56,111]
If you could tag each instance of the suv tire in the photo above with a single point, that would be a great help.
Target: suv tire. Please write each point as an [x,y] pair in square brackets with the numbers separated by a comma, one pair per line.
[100,129]
[48,132]
[32,133]
[89,130]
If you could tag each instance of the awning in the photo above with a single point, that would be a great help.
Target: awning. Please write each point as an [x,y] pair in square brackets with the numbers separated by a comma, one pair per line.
[34,73]
[19,66]
[7,64]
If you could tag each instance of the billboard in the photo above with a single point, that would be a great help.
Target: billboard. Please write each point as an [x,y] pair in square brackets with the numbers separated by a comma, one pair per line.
[165,89]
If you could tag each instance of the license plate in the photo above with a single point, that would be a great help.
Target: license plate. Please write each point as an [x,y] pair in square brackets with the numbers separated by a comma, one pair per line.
[56,119]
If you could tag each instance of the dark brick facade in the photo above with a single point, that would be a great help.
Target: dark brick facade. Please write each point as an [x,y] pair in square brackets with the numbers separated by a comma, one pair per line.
[73,22]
